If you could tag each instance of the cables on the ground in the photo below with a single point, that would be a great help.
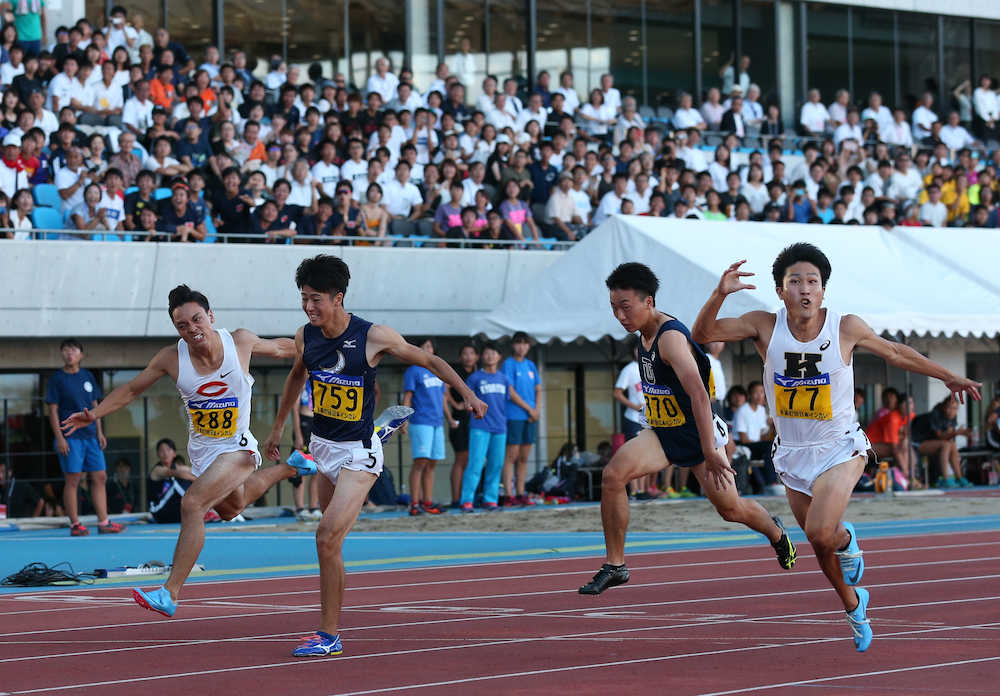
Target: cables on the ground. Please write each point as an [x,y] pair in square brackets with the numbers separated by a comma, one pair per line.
[39,575]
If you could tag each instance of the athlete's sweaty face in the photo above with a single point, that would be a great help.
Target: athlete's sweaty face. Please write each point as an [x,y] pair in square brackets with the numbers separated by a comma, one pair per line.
[193,322]
[802,290]
[631,308]
[319,306]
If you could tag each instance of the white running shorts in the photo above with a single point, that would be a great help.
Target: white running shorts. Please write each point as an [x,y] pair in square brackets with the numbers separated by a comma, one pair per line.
[332,456]
[799,467]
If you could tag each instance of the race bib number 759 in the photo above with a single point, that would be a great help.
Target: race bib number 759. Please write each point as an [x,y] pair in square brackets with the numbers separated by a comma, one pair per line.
[336,396]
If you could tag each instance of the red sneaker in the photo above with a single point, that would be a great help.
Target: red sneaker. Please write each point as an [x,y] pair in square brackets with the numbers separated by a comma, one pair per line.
[526,500]
[212,516]
[430,508]
[414,509]
[78,530]
[110,528]
[509,501]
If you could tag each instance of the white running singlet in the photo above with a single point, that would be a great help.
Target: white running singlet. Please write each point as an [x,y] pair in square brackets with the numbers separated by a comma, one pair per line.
[218,406]
[810,388]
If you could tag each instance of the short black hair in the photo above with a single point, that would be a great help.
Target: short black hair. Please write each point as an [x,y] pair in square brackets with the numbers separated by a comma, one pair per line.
[520,337]
[801,251]
[71,343]
[165,441]
[490,345]
[634,276]
[325,273]
[181,295]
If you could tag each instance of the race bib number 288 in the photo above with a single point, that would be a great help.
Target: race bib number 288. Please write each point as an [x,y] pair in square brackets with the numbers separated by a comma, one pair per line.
[214,418]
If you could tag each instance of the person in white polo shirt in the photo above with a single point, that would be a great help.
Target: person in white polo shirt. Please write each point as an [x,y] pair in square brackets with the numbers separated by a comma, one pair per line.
[405,203]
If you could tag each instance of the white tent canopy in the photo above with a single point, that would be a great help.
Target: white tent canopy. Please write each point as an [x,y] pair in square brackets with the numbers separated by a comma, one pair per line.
[898,284]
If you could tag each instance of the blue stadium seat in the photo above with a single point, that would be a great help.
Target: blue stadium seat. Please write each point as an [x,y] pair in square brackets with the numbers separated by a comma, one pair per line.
[161,193]
[47,195]
[131,189]
[211,232]
[547,242]
[45,218]
[418,239]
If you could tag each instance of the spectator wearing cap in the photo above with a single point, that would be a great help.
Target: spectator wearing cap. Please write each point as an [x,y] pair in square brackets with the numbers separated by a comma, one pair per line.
[180,219]
[561,216]
[12,173]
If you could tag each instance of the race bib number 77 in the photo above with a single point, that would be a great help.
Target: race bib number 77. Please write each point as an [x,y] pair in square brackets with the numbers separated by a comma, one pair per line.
[805,397]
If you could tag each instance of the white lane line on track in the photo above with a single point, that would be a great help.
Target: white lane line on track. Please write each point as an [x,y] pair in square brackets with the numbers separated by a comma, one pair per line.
[856,675]
[476,645]
[780,618]
[49,596]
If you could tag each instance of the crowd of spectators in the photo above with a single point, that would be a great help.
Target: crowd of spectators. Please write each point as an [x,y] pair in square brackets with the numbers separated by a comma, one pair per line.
[116,132]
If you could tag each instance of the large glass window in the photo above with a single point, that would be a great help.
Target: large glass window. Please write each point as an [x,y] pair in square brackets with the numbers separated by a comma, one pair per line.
[873,57]
[987,58]
[562,43]
[616,31]
[464,45]
[378,28]
[670,50]
[826,50]
[957,55]
[718,41]
[508,49]
[190,24]
[255,28]
[918,70]
[757,17]
[316,33]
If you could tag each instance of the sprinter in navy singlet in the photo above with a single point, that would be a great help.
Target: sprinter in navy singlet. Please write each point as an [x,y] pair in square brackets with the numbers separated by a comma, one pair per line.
[682,430]
[338,353]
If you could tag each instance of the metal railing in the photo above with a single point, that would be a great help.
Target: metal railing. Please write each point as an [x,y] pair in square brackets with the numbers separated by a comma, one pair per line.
[412,241]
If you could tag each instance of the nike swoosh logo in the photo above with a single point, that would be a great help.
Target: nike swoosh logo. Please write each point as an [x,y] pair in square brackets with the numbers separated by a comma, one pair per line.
[225,375]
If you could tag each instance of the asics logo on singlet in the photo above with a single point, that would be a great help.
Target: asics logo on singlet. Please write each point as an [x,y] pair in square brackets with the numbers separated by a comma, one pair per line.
[802,364]
[826,344]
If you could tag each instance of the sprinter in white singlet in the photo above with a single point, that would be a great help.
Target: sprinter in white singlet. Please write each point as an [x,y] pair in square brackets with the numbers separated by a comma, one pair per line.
[820,450]
[211,368]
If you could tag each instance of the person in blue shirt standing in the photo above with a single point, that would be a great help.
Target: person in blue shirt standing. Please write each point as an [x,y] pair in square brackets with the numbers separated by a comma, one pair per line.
[70,390]
[522,421]
[488,435]
[423,391]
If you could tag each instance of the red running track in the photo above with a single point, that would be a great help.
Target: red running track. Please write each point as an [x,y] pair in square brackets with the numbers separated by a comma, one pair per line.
[690,622]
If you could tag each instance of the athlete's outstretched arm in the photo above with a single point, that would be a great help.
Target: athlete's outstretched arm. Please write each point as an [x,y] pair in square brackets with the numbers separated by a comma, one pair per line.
[280,348]
[123,395]
[294,384]
[859,334]
[384,339]
[675,350]
[708,327]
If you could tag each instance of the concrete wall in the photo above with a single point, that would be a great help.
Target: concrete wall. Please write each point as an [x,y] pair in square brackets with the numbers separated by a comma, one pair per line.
[119,290]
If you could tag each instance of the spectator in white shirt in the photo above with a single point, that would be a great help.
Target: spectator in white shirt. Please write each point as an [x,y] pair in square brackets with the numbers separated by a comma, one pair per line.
[404,202]
[325,173]
[934,212]
[611,203]
[13,68]
[850,129]
[64,87]
[500,116]
[712,109]
[512,103]
[137,113]
[486,100]
[881,179]
[382,81]
[473,183]
[987,109]
[597,115]
[878,112]
[463,63]
[404,100]
[728,74]
[694,159]
[838,109]
[119,32]
[612,97]
[560,210]
[71,179]
[898,133]
[906,180]
[686,116]
[565,88]
[629,118]
[753,112]
[534,112]
[954,135]
[814,118]
[105,108]
[923,117]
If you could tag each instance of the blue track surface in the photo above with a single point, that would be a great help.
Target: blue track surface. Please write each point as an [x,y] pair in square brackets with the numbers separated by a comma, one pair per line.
[270,550]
